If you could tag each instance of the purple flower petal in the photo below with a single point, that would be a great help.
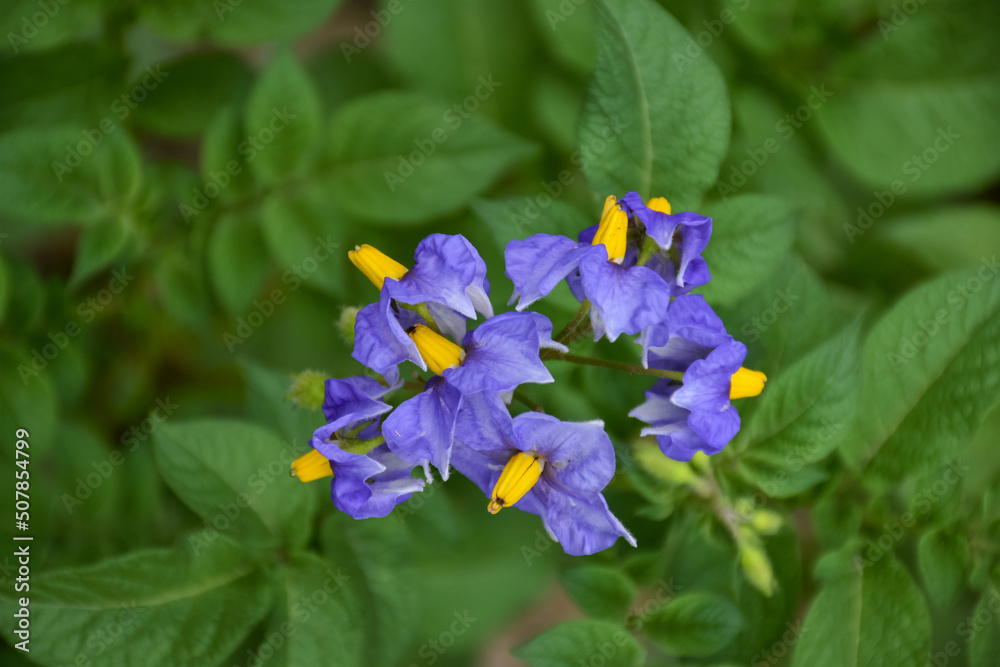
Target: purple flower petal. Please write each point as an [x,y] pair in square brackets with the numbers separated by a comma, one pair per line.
[582,523]
[422,428]
[537,264]
[351,401]
[626,300]
[380,340]
[501,354]
[580,454]
[691,331]
[447,269]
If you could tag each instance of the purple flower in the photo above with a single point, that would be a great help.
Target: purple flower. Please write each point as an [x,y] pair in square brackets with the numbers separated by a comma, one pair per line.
[567,465]
[698,414]
[364,485]
[680,263]
[600,266]
[498,356]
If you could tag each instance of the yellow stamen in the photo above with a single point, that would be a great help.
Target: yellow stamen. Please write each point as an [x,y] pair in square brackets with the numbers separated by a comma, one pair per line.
[311,466]
[375,265]
[439,352]
[659,204]
[613,230]
[517,478]
[746,383]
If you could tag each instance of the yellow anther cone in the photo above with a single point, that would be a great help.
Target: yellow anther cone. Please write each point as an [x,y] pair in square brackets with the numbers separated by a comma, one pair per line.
[311,466]
[613,230]
[746,383]
[376,265]
[438,352]
[517,478]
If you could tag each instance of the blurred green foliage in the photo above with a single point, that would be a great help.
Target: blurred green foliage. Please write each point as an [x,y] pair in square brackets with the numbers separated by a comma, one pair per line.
[180,182]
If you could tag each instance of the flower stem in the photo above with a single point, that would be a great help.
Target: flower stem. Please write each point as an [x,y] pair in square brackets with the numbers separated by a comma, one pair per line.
[423,311]
[523,398]
[635,369]
[570,328]
[648,248]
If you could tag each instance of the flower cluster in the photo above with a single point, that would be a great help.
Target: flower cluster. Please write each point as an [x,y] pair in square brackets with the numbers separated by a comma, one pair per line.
[632,273]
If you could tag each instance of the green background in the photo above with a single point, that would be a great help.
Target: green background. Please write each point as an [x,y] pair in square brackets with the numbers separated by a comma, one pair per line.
[180,182]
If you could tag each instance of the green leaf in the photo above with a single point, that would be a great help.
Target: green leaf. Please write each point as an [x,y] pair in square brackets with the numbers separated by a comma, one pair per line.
[984,644]
[599,591]
[234,23]
[915,104]
[237,261]
[224,153]
[751,234]
[282,119]
[182,290]
[567,30]
[947,238]
[234,475]
[98,246]
[855,612]
[27,399]
[317,619]
[654,121]
[784,318]
[377,556]
[188,92]
[929,375]
[694,624]
[306,239]
[266,404]
[401,158]
[802,412]
[67,174]
[944,557]
[480,68]
[156,607]
[588,641]
[520,217]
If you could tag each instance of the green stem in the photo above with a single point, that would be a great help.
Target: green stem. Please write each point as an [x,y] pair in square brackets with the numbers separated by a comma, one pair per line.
[648,248]
[635,369]
[570,328]
[423,311]
[521,397]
